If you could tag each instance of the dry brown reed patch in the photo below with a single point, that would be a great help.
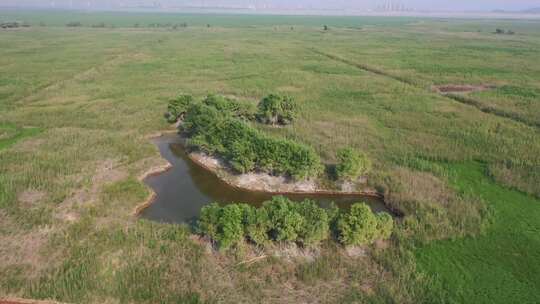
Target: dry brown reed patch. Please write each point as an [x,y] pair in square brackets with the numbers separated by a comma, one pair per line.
[414,186]
[24,249]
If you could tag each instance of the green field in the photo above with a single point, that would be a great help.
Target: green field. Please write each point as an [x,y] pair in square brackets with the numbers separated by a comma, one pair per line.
[78,105]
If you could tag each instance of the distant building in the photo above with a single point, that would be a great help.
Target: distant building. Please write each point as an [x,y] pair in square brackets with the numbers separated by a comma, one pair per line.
[393,6]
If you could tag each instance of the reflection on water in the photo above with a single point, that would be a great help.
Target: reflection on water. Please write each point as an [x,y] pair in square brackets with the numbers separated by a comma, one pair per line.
[186,187]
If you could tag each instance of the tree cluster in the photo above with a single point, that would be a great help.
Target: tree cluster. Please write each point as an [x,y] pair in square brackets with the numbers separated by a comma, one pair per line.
[215,127]
[282,220]
[74,24]
[13,24]
[220,126]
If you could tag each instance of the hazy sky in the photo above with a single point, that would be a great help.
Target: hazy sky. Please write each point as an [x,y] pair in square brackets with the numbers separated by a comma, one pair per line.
[436,5]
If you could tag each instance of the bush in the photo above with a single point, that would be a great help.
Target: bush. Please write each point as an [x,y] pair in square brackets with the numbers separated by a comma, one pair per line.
[351,164]
[177,107]
[385,225]
[231,229]
[256,225]
[223,225]
[285,222]
[209,221]
[276,109]
[359,226]
[315,226]
[236,108]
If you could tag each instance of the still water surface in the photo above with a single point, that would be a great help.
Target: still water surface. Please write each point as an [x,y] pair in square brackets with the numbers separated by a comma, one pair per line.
[186,187]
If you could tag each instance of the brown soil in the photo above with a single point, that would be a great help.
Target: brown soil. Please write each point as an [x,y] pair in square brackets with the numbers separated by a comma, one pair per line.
[456,88]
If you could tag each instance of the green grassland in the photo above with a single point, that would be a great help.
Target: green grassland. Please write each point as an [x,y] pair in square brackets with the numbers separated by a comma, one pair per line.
[78,104]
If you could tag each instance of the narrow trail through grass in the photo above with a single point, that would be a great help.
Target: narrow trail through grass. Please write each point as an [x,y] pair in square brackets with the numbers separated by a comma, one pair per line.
[500,266]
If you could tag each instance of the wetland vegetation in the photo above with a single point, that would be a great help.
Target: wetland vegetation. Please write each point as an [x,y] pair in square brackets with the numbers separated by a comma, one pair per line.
[78,105]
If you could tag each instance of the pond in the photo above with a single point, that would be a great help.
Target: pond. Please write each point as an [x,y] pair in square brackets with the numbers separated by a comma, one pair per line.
[186,187]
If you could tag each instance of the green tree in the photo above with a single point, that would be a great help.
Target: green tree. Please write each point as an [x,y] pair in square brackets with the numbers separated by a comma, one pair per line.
[351,164]
[246,148]
[359,226]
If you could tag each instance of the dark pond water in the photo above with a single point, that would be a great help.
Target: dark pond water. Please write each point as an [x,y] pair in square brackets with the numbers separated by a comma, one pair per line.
[186,187]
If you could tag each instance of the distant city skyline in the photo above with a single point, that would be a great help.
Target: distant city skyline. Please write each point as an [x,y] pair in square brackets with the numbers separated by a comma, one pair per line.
[384,5]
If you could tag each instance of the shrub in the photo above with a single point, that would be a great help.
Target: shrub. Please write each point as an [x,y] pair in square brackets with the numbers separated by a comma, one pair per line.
[240,109]
[177,107]
[385,225]
[209,221]
[256,225]
[333,213]
[285,221]
[276,109]
[230,226]
[315,226]
[359,226]
[351,164]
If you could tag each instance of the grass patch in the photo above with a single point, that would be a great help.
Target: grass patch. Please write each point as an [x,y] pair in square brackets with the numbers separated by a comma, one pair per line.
[11,134]
[499,266]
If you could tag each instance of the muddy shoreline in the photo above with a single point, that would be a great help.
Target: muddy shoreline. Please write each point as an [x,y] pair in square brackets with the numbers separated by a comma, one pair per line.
[198,158]
[152,172]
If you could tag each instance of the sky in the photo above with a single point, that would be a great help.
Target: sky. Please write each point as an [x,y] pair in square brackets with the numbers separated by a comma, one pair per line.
[431,5]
